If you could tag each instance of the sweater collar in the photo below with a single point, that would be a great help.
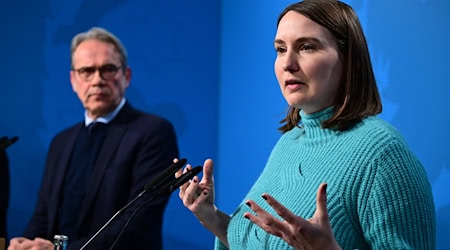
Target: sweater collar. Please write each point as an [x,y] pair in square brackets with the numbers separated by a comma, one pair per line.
[311,124]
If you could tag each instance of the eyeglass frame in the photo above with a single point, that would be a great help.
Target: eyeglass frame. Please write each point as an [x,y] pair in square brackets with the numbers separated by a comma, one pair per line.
[101,70]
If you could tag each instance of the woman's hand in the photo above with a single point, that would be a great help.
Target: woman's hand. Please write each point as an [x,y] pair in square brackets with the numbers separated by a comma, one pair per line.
[313,233]
[197,196]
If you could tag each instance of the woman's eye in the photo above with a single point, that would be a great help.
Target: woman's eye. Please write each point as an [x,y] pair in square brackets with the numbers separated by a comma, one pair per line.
[306,47]
[280,49]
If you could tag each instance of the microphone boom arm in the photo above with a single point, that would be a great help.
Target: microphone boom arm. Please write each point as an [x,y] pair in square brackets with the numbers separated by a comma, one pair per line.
[159,185]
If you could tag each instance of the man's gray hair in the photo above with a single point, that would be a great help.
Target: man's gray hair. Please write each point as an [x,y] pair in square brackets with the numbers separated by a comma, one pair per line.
[103,35]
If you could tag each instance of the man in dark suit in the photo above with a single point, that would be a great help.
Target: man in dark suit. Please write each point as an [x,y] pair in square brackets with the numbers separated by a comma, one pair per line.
[96,166]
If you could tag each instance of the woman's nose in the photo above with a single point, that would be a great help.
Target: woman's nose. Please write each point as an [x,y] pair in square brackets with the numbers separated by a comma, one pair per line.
[291,64]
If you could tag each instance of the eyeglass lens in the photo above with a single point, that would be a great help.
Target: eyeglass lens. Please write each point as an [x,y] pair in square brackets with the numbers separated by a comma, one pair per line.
[107,72]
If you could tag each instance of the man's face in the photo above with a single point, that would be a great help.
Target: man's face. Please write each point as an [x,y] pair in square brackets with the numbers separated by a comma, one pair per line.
[98,78]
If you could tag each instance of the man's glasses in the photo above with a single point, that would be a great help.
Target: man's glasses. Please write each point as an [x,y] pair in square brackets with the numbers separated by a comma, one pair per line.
[107,72]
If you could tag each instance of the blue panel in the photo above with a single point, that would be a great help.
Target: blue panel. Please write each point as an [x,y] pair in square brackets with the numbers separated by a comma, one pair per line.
[409,42]
[173,51]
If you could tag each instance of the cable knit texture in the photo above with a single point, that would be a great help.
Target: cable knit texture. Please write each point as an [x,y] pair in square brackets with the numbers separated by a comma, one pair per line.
[379,196]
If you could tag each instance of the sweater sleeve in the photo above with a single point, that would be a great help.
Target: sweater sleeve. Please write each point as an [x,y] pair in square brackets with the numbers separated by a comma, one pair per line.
[219,245]
[400,210]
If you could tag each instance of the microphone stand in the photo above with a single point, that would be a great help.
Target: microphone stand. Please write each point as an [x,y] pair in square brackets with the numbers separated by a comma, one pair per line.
[166,189]
[129,220]
[112,218]
[156,190]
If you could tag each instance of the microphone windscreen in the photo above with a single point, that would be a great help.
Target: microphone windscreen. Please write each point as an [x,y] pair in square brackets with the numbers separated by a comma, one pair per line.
[170,187]
[162,177]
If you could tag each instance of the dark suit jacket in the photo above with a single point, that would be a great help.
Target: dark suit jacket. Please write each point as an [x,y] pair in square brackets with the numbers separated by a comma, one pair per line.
[137,147]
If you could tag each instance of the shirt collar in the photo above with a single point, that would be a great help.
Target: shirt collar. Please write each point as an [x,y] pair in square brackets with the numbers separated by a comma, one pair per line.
[106,118]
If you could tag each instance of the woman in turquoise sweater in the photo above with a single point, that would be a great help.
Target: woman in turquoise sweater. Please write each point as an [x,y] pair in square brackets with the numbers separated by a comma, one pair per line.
[379,196]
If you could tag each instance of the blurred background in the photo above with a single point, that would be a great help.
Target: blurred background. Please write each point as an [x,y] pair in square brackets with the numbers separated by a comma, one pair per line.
[207,66]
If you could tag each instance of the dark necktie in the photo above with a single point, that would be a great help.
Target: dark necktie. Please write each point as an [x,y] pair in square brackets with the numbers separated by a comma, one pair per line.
[95,127]
[96,136]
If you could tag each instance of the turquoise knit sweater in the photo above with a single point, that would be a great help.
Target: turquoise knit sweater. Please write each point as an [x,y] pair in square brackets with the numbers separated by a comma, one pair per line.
[379,196]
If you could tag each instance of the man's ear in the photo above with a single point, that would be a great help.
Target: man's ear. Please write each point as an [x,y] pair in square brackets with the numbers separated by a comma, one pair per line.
[73,80]
[127,73]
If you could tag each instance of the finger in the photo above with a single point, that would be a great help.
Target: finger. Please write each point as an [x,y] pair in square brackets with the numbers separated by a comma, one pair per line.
[265,220]
[28,244]
[44,243]
[281,210]
[185,185]
[17,240]
[190,193]
[178,173]
[41,240]
[201,197]
[207,178]
[181,170]
[14,243]
[321,212]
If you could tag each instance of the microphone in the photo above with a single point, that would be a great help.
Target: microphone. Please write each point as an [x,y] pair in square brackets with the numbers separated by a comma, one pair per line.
[166,174]
[173,185]
[6,142]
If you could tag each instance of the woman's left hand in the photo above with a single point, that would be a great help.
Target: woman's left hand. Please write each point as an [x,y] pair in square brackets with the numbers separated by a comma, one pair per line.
[300,233]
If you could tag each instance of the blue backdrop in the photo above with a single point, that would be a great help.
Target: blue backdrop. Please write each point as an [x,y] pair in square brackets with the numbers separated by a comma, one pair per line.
[207,66]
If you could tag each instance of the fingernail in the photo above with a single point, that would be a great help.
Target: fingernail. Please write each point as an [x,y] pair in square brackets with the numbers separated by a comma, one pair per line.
[324,190]
[264,197]
[246,216]
[248,204]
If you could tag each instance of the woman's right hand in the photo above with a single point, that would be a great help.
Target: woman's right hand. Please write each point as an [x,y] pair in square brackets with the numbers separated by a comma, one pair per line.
[198,196]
